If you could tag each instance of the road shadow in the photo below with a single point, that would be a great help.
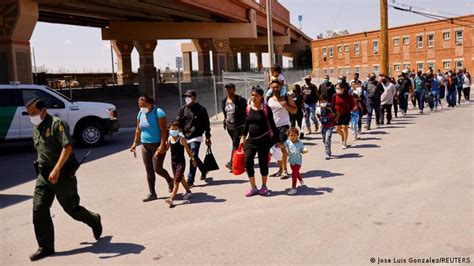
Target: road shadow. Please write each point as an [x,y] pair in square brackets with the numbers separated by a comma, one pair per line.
[7,200]
[105,246]
[393,126]
[347,155]
[211,182]
[310,138]
[370,138]
[199,197]
[376,132]
[320,173]
[302,191]
[310,143]
[362,146]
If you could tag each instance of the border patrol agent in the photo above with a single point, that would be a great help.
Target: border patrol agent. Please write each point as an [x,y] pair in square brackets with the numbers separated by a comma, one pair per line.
[55,167]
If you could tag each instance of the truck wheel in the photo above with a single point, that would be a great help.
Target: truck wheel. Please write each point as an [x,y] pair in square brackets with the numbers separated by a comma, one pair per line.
[91,134]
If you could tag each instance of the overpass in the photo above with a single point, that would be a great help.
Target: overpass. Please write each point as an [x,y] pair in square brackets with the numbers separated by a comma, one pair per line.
[225,27]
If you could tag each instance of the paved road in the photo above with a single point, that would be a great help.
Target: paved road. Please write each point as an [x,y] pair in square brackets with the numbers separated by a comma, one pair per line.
[404,190]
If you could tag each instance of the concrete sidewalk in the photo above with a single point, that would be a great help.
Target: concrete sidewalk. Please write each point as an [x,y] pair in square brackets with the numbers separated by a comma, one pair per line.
[403,191]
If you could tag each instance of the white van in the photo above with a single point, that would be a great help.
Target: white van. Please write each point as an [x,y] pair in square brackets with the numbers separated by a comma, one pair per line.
[89,122]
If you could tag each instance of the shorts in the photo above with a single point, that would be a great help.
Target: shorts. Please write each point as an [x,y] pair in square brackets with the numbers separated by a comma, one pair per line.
[178,170]
[344,120]
[282,133]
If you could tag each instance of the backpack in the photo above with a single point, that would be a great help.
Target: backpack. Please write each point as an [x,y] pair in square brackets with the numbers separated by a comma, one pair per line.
[325,117]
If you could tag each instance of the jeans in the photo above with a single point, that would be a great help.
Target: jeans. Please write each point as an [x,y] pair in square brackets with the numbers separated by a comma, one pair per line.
[420,96]
[451,98]
[403,102]
[194,146]
[370,109]
[327,135]
[436,99]
[388,109]
[310,112]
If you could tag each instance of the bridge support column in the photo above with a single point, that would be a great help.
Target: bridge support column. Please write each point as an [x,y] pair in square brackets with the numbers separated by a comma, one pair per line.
[123,50]
[17,21]
[279,55]
[259,61]
[245,61]
[204,57]
[147,70]
[220,49]
[187,66]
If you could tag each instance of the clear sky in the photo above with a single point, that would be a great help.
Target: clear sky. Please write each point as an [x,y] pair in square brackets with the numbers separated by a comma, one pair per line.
[79,49]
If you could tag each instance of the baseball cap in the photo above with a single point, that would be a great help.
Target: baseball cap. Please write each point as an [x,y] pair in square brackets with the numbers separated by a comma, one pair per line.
[190,93]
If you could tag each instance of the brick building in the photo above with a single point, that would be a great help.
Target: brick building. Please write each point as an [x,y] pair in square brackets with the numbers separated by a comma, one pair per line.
[437,44]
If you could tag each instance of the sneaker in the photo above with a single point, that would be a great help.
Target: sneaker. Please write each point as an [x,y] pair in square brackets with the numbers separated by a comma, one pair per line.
[263,191]
[301,135]
[229,166]
[277,174]
[301,182]
[421,112]
[252,192]
[327,157]
[284,176]
[187,195]
[344,146]
[97,230]
[150,197]
[169,201]
[41,253]
[292,191]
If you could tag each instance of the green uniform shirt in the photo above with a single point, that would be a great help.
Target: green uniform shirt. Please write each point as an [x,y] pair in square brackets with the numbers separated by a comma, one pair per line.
[49,138]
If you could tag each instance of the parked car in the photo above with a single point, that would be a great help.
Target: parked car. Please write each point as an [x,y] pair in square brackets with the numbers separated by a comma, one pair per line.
[89,122]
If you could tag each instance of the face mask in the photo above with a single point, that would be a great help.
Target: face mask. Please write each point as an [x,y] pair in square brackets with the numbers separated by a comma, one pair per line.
[174,132]
[325,80]
[282,91]
[338,91]
[36,120]
[324,104]
[144,110]
[188,100]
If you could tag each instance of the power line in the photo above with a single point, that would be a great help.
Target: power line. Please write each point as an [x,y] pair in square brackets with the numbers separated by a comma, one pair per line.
[435,17]
[426,9]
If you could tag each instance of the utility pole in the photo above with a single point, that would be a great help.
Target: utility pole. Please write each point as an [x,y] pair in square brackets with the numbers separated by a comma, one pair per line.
[384,37]
[271,54]
[113,69]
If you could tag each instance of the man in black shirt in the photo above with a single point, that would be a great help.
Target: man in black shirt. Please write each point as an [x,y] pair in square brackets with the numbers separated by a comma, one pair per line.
[195,122]
[327,88]
[310,98]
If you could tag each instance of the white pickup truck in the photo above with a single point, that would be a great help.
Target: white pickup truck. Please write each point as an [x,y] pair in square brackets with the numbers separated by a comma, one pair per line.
[89,122]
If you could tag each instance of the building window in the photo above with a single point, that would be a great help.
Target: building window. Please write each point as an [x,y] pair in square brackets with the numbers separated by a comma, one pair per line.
[376,47]
[339,49]
[431,65]
[396,42]
[406,40]
[339,71]
[420,66]
[459,64]
[375,68]
[348,71]
[406,66]
[356,69]
[459,37]
[447,65]
[446,36]
[430,38]
[331,52]
[346,48]
[396,67]
[324,52]
[419,41]
[325,71]
[356,48]
[331,72]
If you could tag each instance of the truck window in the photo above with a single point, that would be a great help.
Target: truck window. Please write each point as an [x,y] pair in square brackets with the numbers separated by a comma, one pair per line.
[50,101]
[10,98]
